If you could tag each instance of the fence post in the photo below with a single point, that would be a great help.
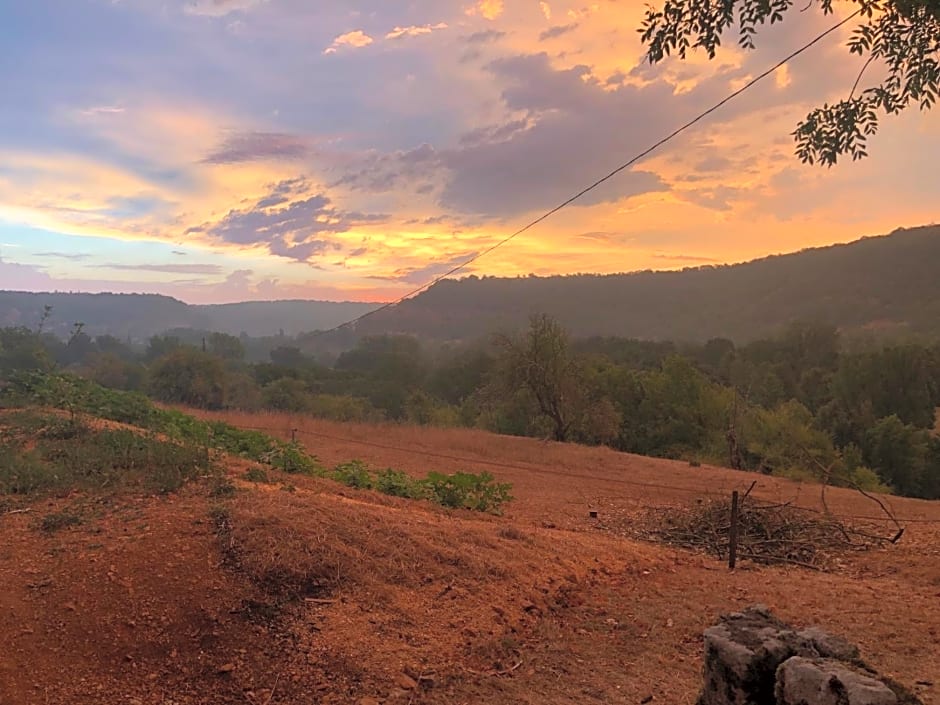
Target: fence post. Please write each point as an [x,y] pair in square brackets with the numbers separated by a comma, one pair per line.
[733,535]
[293,435]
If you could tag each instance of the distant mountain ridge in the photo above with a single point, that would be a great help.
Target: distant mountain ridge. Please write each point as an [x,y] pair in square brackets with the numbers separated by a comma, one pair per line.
[884,282]
[138,316]
[889,282]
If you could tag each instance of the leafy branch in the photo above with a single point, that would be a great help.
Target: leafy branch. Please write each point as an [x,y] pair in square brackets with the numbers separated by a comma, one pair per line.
[903,36]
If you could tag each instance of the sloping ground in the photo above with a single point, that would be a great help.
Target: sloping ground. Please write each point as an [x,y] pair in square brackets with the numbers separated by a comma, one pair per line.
[329,595]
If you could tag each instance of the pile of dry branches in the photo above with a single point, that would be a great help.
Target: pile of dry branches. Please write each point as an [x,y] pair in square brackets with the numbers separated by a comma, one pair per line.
[767,533]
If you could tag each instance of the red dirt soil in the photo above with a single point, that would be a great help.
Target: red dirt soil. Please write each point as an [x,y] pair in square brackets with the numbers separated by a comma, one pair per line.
[148,602]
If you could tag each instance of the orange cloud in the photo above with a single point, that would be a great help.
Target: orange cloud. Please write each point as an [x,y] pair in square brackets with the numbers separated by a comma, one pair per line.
[415,30]
[355,40]
[489,9]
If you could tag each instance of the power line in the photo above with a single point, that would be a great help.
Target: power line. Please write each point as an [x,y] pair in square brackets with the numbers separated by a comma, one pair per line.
[626,165]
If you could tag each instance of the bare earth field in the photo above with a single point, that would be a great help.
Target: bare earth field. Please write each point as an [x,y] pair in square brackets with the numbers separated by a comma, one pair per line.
[182,600]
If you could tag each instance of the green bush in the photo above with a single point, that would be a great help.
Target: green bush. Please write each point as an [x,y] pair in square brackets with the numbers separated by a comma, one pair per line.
[22,472]
[78,395]
[353,474]
[396,483]
[293,459]
[467,491]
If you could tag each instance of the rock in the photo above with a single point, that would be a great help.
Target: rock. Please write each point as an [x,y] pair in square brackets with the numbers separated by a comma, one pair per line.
[405,682]
[227,668]
[742,654]
[829,646]
[803,681]
[752,658]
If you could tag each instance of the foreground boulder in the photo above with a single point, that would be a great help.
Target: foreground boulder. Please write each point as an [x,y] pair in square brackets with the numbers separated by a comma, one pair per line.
[752,658]
[801,681]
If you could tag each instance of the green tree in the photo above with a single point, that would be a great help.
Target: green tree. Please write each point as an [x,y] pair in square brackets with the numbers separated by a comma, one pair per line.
[110,370]
[22,350]
[226,346]
[680,413]
[286,394]
[540,362]
[189,376]
[900,37]
[160,345]
[898,453]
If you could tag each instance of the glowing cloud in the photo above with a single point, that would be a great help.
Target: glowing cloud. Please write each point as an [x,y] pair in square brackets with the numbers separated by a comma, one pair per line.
[415,30]
[489,9]
[355,40]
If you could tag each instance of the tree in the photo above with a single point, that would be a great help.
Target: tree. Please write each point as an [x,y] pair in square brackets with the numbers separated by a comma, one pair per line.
[901,35]
[160,345]
[286,394]
[226,346]
[898,453]
[541,363]
[189,376]
[22,350]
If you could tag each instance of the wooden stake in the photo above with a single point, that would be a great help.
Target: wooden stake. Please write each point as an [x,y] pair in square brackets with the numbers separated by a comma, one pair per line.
[733,538]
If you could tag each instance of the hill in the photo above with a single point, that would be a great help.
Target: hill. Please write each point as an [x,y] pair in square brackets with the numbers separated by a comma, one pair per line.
[878,283]
[138,316]
[297,589]
[884,284]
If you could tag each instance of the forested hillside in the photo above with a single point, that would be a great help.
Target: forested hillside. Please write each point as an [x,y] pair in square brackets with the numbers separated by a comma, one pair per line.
[882,285]
[886,283]
[139,316]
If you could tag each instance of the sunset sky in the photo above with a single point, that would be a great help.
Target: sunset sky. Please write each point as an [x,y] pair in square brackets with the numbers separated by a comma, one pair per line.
[224,150]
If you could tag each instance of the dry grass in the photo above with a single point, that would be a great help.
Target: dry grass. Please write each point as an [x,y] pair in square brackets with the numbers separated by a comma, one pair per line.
[408,581]
[556,482]
[476,608]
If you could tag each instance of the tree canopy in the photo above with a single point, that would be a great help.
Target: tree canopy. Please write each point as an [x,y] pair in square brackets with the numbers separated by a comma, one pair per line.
[903,36]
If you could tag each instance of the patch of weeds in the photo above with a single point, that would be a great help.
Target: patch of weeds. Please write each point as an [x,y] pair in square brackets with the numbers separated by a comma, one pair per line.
[57,521]
[354,474]
[120,458]
[292,459]
[23,472]
[398,484]
[64,429]
[288,488]
[464,490]
[511,533]
[257,474]
[221,487]
[221,516]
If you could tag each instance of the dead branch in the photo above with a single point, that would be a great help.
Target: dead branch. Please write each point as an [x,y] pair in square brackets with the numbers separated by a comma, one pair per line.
[767,533]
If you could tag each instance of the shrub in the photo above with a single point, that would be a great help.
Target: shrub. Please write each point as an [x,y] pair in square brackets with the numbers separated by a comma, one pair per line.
[222,487]
[343,408]
[467,491]
[57,521]
[353,474]
[398,484]
[293,459]
[257,474]
[22,473]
